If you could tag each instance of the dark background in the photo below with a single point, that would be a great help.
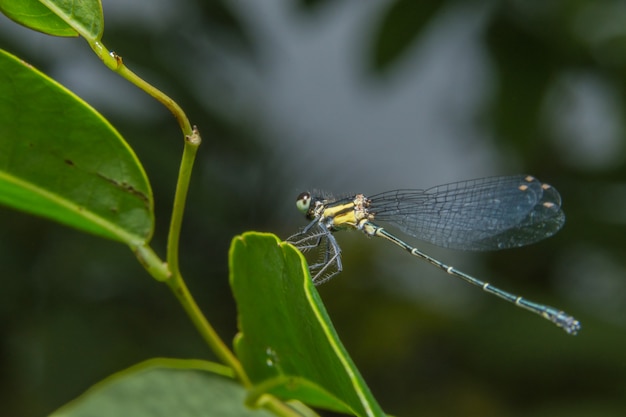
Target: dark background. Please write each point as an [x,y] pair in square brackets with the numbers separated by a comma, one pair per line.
[349,98]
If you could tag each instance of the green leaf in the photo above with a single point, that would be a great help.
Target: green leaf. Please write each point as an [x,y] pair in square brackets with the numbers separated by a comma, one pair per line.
[164,387]
[34,15]
[287,343]
[58,17]
[62,160]
[84,16]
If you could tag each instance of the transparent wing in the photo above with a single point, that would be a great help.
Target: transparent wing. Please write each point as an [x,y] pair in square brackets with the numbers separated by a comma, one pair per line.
[482,214]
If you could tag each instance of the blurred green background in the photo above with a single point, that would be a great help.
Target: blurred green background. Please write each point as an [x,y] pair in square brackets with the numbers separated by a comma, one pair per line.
[346,97]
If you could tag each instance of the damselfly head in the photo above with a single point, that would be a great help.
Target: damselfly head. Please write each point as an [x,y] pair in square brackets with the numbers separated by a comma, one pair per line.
[303,202]
[310,205]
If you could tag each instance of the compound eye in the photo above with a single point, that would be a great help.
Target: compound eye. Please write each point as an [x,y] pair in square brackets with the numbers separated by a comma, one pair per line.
[304,202]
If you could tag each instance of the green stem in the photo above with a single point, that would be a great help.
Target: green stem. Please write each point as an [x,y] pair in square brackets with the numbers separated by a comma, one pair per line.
[258,397]
[151,261]
[176,283]
[282,409]
[208,333]
[114,62]
[192,142]
[174,280]
[170,273]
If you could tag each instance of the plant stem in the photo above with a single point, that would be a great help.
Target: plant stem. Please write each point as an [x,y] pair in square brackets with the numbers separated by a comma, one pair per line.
[170,273]
[282,409]
[114,62]
[180,290]
[151,261]
[192,142]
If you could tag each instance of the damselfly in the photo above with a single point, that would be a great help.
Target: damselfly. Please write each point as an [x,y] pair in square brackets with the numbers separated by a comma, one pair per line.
[482,214]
